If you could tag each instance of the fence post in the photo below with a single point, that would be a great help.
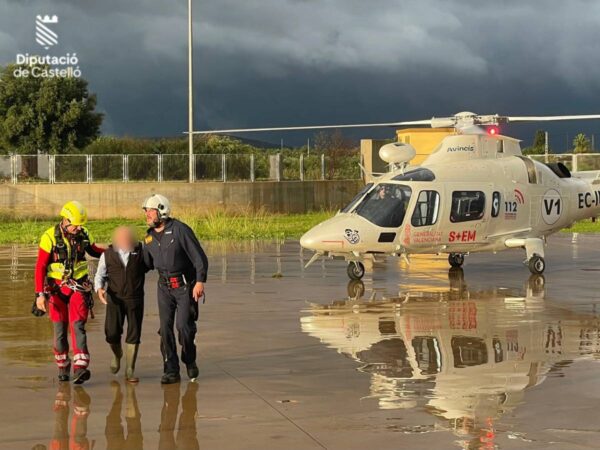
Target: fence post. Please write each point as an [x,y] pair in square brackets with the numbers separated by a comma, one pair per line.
[159,175]
[89,168]
[13,169]
[252,174]
[124,167]
[574,162]
[301,163]
[224,167]
[279,171]
[193,156]
[52,169]
[322,166]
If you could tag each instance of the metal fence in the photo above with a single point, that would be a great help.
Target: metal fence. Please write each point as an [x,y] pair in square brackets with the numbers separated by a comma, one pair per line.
[174,167]
[576,162]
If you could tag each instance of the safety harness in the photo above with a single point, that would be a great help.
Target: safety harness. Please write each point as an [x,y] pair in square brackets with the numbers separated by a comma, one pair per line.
[68,256]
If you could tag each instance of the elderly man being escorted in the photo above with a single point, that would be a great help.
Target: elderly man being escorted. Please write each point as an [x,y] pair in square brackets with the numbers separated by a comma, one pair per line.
[119,282]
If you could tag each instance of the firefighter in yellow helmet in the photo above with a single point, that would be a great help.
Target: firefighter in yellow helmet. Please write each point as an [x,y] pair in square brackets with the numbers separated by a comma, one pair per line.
[63,288]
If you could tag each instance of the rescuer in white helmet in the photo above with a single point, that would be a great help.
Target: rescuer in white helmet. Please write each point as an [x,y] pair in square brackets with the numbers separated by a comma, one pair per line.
[171,247]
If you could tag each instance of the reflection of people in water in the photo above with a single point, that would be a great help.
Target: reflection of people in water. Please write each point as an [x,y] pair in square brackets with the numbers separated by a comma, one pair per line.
[114,431]
[76,437]
[186,438]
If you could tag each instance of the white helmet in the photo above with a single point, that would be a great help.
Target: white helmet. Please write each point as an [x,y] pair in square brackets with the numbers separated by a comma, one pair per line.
[160,203]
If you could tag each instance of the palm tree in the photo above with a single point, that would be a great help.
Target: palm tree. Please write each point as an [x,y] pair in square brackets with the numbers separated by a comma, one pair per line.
[581,144]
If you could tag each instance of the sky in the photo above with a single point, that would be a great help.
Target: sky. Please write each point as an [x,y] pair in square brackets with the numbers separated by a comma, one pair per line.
[302,62]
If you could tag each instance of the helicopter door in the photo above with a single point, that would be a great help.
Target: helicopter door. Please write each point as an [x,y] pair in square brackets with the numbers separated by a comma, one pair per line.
[424,221]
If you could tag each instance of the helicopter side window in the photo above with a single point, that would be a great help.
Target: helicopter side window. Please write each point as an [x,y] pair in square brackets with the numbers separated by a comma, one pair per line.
[385,205]
[362,192]
[467,205]
[426,209]
[495,204]
[468,351]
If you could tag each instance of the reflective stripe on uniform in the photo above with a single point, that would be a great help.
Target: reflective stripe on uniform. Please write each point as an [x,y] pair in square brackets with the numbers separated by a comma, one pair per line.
[81,359]
[56,270]
[62,360]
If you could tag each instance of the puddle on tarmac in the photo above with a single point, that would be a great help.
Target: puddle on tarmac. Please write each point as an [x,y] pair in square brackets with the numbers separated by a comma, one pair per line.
[21,333]
[464,356]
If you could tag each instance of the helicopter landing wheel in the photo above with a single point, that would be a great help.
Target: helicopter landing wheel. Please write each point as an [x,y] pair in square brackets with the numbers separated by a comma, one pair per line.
[356,289]
[536,265]
[456,259]
[355,270]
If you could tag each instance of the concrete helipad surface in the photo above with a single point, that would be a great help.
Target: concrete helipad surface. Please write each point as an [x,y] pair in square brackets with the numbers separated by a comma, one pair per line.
[294,358]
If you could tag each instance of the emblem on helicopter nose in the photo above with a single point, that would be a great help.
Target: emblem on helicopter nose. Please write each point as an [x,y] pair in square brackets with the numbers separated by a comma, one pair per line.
[352,236]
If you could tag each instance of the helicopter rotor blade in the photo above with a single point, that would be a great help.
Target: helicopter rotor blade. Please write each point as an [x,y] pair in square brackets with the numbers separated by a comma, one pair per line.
[551,118]
[459,121]
[315,127]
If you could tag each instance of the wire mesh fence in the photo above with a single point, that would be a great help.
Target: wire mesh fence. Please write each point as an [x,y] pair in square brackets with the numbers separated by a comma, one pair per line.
[31,169]
[71,169]
[107,168]
[208,167]
[110,168]
[6,169]
[141,168]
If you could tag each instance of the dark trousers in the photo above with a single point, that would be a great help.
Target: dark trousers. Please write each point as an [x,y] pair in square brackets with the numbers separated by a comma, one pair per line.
[176,306]
[117,310]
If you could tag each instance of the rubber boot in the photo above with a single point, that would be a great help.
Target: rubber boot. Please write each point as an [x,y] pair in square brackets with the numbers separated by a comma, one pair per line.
[64,373]
[115,362]
[131,356]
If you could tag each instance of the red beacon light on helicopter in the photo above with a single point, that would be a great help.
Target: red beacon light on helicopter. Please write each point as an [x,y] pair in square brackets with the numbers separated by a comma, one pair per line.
[493,130]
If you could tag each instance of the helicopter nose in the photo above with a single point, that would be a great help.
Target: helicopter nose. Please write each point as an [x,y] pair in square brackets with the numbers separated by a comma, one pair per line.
[309,240]
[328,236]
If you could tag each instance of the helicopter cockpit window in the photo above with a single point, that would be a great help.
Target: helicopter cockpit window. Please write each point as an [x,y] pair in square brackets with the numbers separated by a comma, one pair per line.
[362,192]
[420,174]
[467,205]
[426,209]
[385,205]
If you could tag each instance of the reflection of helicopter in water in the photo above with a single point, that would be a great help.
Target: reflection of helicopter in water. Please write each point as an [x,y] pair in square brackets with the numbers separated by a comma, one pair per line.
[475,193]
[465,356]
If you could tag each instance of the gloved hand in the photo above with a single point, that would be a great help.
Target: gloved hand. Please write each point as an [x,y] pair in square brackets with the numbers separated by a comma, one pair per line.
[35,310]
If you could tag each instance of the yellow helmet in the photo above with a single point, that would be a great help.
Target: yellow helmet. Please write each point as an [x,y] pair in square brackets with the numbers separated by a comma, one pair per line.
[74,212]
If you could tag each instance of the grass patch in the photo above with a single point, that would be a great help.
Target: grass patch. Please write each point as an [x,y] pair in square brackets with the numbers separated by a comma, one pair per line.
[584,226]
[213,226]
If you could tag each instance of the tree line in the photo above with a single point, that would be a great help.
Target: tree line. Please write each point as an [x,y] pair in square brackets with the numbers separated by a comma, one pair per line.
[581,144]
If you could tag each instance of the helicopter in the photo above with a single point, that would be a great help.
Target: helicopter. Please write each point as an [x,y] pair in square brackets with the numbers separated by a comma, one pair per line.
[476,192]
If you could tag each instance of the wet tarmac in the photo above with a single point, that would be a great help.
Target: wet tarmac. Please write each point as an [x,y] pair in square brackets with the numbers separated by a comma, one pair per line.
[291,358]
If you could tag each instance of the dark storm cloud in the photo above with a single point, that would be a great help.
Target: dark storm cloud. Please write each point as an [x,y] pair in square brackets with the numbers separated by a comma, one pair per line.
[278,62]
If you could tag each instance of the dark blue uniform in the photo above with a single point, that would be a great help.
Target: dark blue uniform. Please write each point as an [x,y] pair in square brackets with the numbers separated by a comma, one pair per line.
[180,261]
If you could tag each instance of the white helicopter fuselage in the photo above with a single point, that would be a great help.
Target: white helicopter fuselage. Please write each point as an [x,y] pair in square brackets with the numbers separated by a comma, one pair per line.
[475,193]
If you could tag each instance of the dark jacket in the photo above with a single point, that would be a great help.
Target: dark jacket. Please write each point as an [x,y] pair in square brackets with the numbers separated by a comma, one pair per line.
[176,251]
[125,282]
